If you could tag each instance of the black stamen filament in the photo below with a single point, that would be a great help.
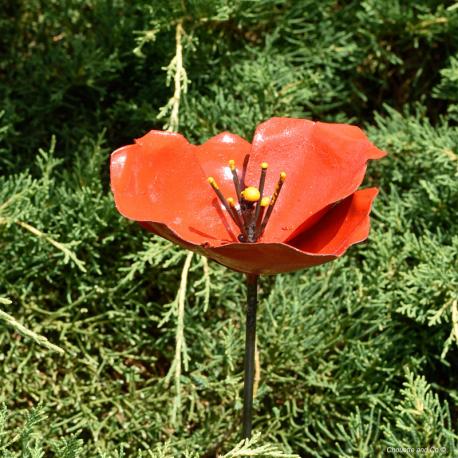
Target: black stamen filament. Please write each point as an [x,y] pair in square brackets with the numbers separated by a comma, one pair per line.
[235,177]
[272,202]
[262,181]
[237,217]
[264,203]
[251,217]
[223,200]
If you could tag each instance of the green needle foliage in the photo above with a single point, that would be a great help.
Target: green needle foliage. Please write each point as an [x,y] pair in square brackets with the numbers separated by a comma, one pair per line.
[115,343]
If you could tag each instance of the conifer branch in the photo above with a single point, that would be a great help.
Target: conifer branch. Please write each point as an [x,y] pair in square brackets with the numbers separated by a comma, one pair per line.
[455,320]
[177,70]
[248,447]
[68,254]
[21,329]
[207,283]
[454,332]
[180,76]
[180,343]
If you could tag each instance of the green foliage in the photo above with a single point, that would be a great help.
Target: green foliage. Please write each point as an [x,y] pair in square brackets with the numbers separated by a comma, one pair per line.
[422,422]
[28,442]
[447,89]
[356,356]
[421,193]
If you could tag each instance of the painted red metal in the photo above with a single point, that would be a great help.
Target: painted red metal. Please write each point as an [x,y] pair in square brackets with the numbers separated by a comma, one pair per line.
[161,182]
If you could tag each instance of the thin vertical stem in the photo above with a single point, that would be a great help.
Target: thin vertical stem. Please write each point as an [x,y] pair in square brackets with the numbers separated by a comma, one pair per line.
[250,343]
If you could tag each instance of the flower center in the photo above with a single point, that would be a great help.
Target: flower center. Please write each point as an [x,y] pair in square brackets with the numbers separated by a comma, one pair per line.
[253,211]
[251,194]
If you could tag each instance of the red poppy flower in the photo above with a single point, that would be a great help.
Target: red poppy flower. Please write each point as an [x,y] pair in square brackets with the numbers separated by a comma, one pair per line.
[162,181]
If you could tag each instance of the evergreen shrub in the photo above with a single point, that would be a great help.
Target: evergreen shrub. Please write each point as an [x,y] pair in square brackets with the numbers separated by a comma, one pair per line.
[357,357]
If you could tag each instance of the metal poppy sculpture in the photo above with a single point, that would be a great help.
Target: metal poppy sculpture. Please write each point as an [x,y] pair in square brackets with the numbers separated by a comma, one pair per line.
[287,201]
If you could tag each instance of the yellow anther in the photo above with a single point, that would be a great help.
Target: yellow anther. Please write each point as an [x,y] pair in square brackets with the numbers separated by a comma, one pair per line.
[230,201]
[232,164]
[251,194]
[212,182]
[265,201]
[264,165]
[283,176]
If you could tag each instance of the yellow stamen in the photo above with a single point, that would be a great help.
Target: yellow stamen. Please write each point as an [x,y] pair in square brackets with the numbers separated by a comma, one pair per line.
[265,201]
[232,164]
[264,165]
[230,201]
[212,182]
[251,194]
[283,176]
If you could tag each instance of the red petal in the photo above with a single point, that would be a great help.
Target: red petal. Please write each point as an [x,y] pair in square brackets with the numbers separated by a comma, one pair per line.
[343,225]
[252,258]
[214,156]
[264,258]
[324,163]
[160,180]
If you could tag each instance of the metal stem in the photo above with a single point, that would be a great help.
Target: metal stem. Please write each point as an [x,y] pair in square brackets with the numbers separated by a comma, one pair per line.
[250,342]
